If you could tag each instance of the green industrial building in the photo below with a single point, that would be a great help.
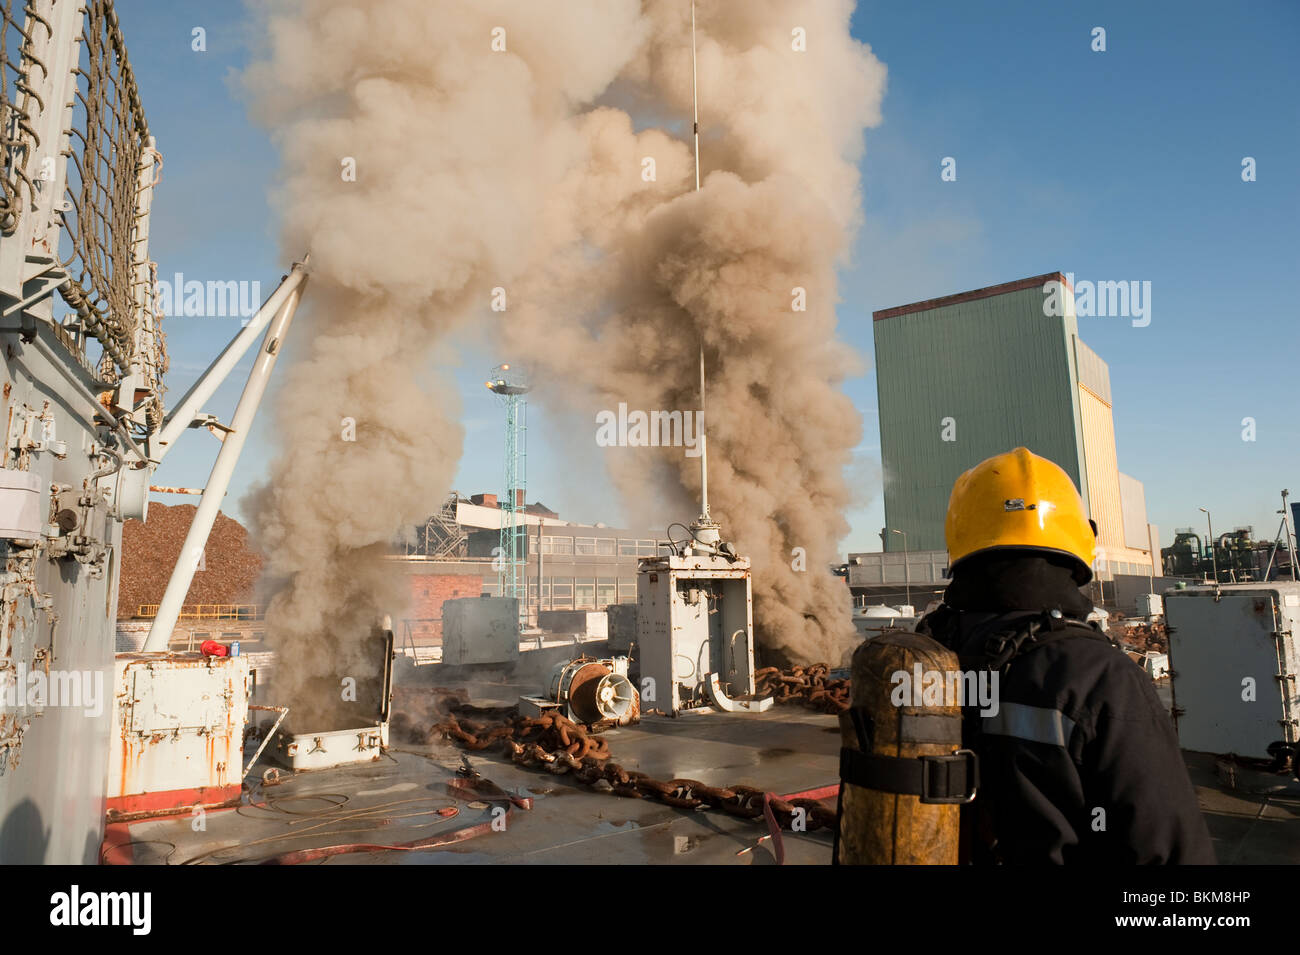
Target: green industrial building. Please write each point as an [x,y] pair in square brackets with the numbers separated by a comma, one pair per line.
[971,375]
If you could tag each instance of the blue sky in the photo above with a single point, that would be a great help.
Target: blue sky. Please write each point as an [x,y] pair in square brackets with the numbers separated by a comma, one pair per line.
[1122,165]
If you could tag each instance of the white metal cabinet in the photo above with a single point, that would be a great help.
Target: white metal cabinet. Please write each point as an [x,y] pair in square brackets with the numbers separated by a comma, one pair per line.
[1225,649]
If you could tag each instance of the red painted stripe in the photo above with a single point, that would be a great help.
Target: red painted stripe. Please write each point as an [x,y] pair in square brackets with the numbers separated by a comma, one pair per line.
[170,801]
[825,792]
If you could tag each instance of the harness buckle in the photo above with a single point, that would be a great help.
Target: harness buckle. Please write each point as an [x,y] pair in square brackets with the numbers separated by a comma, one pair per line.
[936,778]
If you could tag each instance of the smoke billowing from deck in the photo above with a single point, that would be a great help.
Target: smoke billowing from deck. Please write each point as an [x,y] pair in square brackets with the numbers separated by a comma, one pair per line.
[414,165]
[644,270]
[478,168]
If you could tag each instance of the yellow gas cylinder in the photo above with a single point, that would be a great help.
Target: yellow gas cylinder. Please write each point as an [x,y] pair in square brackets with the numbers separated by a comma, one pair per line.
[901,794]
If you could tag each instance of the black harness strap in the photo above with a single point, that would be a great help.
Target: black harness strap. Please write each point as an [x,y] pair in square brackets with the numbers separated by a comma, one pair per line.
[1002,647]
[936,779]
[951,778]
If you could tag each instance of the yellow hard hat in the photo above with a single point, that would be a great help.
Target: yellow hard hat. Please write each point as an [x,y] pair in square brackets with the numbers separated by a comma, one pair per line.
[1019,500]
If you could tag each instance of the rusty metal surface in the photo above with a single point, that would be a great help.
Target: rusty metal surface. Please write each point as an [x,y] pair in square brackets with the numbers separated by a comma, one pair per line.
[583,688]
[315,751]
[178,723]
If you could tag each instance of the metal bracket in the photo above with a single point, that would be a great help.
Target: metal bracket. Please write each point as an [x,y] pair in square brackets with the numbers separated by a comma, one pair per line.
[713,686]
[210,422]
[283,711]
[44,291]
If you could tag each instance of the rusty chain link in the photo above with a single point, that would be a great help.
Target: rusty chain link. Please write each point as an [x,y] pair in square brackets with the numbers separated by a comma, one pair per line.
[561,746]
[810,685]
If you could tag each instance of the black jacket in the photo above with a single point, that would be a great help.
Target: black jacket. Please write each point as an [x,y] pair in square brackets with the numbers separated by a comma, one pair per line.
[1080,763]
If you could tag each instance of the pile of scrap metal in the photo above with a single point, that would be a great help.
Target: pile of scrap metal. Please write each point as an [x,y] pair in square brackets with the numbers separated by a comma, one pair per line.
[1146,637]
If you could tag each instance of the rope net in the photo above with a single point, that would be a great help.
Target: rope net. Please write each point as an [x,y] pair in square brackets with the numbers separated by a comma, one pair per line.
[102,245]
[106,144]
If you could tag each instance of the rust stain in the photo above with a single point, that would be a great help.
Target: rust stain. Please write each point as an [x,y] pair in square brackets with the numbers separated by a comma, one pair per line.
[166,489]
[126,762]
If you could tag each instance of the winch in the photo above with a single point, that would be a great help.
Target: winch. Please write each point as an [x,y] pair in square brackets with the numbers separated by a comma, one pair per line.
[589,691]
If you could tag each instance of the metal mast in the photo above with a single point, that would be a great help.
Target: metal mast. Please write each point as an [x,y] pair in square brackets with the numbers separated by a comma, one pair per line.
[705,529]
[509,385]
[1290,541]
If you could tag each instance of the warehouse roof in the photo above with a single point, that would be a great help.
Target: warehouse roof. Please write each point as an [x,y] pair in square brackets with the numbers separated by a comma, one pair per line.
[1017,286]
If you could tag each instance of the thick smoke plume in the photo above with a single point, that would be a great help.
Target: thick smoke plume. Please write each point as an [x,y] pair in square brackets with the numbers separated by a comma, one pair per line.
[654,268]
[453,147]
[522,168]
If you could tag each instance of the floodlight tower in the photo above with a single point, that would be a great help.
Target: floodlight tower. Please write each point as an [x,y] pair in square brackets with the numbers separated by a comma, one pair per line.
[510,386]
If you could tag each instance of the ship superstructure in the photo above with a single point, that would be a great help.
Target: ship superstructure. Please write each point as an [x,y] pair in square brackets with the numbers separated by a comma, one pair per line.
[83,363]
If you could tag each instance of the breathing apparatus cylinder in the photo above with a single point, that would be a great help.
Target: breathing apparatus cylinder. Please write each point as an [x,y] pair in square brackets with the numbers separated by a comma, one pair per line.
[903,774]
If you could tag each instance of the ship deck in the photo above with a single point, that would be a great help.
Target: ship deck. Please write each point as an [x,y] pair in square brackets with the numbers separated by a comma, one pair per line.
[785,750]
[391,801]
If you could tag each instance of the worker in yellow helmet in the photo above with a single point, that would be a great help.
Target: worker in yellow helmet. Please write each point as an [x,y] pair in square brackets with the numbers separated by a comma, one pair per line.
[1079,762]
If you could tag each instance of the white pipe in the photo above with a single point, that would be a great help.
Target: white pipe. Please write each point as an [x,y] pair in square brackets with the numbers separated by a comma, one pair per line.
[203,389]
[169,610]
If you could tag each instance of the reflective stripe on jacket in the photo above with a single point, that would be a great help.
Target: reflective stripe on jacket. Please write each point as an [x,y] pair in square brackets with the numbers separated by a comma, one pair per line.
[1080,762]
